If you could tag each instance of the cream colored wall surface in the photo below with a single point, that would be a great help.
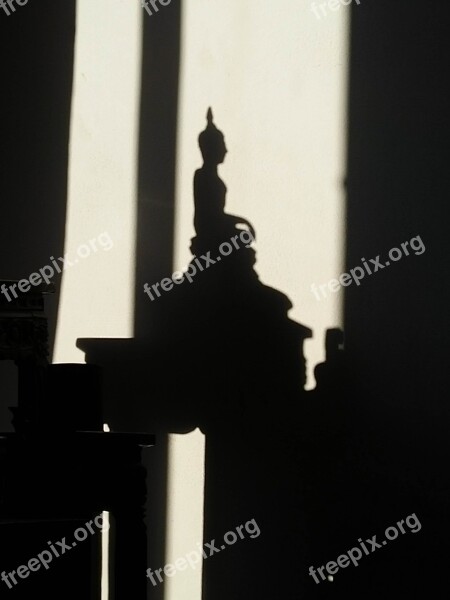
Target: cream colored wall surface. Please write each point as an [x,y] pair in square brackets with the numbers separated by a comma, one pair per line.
[97,298]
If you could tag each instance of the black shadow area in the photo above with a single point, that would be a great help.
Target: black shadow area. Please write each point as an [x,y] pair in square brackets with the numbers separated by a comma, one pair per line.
[36,45]
[396,321]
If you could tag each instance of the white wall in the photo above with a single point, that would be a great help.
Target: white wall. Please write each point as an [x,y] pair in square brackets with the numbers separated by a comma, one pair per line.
[97,295]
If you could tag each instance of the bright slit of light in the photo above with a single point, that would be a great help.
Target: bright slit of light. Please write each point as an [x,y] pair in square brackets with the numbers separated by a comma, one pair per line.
[97,295]
[105,556]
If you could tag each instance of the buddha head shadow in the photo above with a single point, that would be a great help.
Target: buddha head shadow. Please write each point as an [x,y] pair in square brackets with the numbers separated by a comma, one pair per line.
[212,143]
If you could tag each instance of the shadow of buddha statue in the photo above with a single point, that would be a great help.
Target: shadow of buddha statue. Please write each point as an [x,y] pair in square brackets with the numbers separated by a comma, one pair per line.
[228,302]
[213,225]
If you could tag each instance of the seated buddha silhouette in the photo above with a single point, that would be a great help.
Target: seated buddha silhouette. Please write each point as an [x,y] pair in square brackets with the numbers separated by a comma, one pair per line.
[213,225]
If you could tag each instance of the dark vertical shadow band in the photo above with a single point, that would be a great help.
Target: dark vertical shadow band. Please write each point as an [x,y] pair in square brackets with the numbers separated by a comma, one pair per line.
[155,220]
[157,154]
[37,43]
